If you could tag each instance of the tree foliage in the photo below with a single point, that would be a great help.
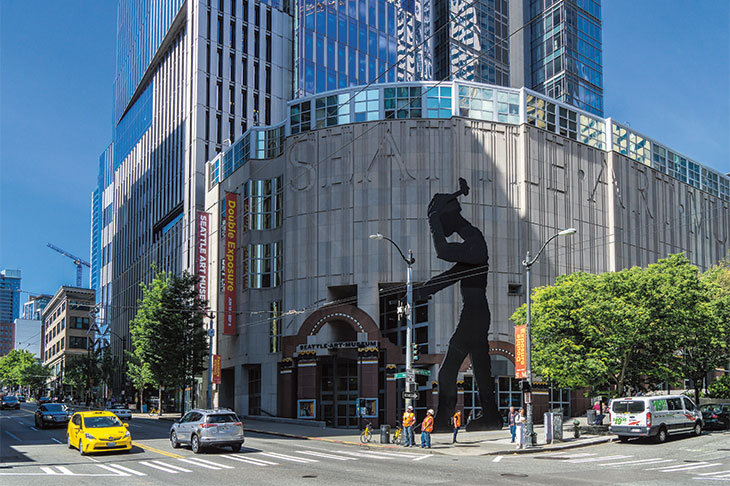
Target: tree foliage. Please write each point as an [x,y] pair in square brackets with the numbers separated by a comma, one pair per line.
[168,337]
[635,327]
[720,388]
[82,371]
[22,368]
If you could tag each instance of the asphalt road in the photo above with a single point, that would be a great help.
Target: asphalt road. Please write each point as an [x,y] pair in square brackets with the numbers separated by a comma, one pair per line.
[30,456]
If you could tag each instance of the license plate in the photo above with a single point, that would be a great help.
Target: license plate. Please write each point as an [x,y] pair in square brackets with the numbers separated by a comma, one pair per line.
[111,444]
[635,430]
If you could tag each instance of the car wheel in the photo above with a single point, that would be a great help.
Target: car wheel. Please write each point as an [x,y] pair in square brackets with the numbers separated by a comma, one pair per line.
[173,440]
[623,438]
[697,431]
[195,444]
[661,436]
[81,448]
[236,447]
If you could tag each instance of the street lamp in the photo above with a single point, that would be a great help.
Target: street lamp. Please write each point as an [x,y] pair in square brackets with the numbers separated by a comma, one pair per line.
[409,313]
[527,263]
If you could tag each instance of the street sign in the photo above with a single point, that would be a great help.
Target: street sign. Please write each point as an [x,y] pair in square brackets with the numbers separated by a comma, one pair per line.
[422,372]
[211,332]
[399,376]
[410,395]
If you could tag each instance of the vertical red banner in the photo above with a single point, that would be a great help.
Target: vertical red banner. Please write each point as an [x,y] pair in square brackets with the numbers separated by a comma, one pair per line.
[202,254]
[229,255]
[520,352]
[216,369]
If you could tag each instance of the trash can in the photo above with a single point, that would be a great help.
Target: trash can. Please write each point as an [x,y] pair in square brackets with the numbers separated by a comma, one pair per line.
[591,416]
[549,430]
[385,434]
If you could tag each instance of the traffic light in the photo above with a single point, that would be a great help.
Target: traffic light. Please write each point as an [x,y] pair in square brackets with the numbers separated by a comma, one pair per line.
[415,352]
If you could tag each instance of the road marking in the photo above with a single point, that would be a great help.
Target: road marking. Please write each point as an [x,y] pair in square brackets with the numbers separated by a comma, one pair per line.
[395,454]
[424,456]
[206,464]
[109,468]
[56,440]
[126,469]
[713,473]
[497,459]
[368,455]
[687,468]
[154,449]
[12,435]
[48,470]
[563,455]
[722,478]
[327,456]
[154,464]
[596,459]
[65,470]
[33,428]
[251,461]
[638,461]
[287,458]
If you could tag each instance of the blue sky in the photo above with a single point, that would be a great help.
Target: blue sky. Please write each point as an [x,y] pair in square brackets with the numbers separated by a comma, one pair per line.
[666,73]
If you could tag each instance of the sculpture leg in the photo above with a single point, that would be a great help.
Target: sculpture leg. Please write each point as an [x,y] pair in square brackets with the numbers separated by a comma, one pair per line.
[490,419]
[447,386]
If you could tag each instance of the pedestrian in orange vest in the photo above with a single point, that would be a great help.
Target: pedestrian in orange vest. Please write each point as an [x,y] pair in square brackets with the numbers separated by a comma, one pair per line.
[409,420]
[426,429]
[456,420]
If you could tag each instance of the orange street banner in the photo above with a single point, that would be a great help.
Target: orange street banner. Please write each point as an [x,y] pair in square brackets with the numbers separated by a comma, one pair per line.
[520,352]
[216,369]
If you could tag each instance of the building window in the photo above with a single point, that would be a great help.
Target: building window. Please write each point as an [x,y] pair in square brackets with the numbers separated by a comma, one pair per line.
[275,327]
[62,348]
[79,322]
[366,105]
[393,323]
[63,323]
[262,204]
[254,389]
[77,342]
[438,102]
[300,117]
[332,110]
[404,102]
[262,265]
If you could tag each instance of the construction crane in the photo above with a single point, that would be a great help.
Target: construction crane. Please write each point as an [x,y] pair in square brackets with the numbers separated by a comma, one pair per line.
[77,261]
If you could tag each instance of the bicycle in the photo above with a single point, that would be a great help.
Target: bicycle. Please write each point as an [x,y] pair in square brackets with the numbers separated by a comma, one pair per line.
[367,434]
[153,411]
[398,435]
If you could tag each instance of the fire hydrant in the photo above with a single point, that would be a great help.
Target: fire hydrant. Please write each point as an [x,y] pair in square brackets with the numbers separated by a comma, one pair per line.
[576,428]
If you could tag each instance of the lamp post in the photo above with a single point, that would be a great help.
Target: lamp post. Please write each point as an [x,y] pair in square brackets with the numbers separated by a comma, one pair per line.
[409,313]
[527,263]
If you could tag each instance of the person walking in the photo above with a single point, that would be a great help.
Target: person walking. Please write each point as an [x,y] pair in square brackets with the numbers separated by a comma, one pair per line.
[456,421]
[426,429]
[409,420]
[511,422]
[520,423]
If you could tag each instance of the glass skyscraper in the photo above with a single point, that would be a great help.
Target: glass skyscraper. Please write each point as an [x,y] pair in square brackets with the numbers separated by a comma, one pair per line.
[559,51]
[355,42]
[9,295]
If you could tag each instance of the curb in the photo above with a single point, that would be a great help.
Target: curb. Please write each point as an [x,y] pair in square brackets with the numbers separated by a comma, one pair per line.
[560,447]
[569,445]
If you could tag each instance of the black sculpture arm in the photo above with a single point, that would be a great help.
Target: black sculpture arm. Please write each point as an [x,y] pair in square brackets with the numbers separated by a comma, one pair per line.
[438,283]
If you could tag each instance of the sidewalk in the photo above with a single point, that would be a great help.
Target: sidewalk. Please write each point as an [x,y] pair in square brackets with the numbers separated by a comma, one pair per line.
[495,442]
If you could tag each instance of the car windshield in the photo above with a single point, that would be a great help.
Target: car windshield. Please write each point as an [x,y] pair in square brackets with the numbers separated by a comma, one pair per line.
[53,407]
[221,418]
[628,406]
[710,408]
[102,421]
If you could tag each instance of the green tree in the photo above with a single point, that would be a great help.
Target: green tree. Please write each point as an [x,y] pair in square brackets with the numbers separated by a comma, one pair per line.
[168,337]
[35,376]
[11,366]
[82,371]
[720,388]
[620,329]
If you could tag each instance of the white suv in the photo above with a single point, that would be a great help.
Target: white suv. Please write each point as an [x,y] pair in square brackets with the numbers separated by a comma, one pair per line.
[203,428]
[654,416]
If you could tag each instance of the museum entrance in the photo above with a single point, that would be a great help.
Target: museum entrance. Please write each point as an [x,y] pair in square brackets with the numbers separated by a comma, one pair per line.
[339,392]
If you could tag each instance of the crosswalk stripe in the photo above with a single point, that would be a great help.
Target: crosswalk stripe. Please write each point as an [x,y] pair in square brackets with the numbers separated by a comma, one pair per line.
[210,463]
[248,461]
[687,468]
[287,458]
[161,468]
[65,470]
[109,468]
[596,459]
[395,454]
[48,470]
[638,461]
[671,467]
[172,466]
[255,459]
[327,456]
[713,473]
[368,455]
[205,464]
[423,456]
[126,469]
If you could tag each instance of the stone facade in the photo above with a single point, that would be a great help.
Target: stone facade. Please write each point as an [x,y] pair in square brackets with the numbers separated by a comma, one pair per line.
[342,184]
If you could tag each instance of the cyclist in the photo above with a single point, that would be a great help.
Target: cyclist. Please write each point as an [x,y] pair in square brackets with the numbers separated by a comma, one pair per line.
[409,420]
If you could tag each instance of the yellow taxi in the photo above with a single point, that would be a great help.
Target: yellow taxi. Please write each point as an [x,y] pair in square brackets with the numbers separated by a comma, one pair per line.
[98,431]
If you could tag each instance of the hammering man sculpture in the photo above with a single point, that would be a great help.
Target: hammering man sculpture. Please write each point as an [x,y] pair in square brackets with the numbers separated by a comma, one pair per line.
[470,258]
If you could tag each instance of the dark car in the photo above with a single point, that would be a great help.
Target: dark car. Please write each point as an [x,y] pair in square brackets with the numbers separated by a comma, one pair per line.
[21,398]
[43,400]
[716,416]
[10,401]
[50,414]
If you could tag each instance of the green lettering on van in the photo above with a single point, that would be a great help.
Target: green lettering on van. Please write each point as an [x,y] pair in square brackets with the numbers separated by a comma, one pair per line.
[660,405]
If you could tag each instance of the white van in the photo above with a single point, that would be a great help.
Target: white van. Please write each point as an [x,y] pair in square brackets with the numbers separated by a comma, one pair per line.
[654,416]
